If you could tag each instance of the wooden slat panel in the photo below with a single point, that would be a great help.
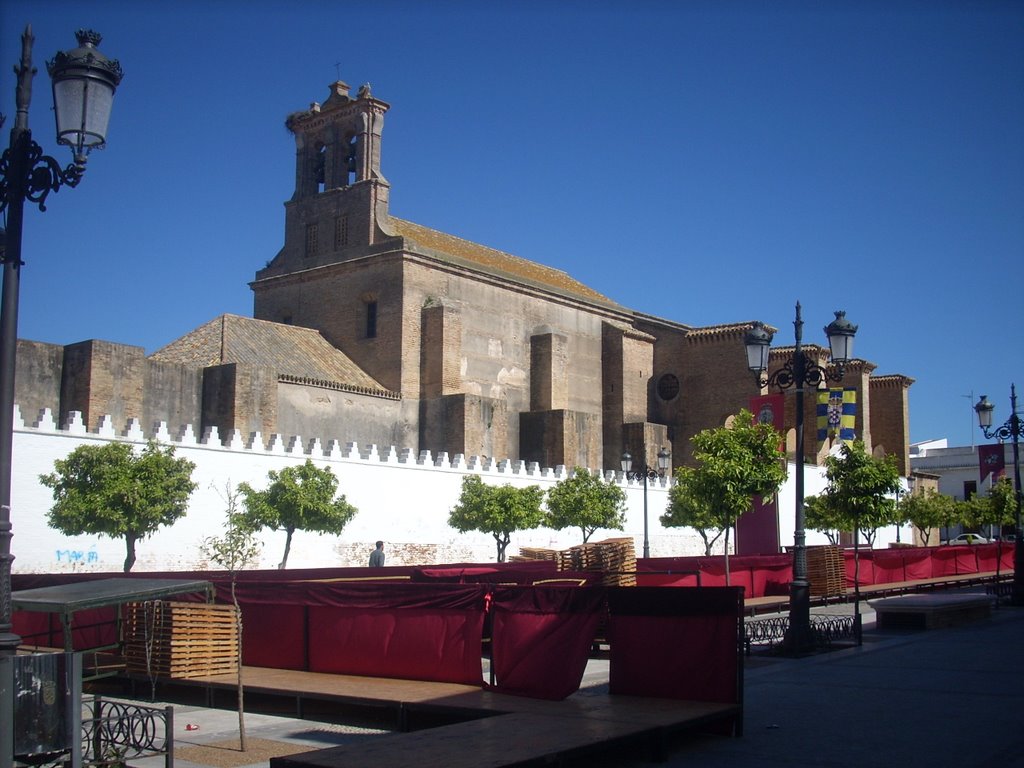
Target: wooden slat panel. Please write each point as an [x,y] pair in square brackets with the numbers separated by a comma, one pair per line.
[181,640]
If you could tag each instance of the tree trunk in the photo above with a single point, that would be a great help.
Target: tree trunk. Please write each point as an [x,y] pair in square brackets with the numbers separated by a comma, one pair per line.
[129,545]
[241,690]
[727,580]
[287,549]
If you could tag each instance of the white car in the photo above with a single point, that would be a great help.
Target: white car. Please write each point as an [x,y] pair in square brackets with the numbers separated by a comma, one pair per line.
[969,538]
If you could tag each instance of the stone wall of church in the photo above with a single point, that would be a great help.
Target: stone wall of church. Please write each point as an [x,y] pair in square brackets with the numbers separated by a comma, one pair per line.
[102,378]
[490,336]
[37,376]
[336,300]
[337,414]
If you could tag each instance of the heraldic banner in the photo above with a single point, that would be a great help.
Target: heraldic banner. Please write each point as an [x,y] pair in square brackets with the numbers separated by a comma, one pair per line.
[757,531]
[837,414]
[991,461]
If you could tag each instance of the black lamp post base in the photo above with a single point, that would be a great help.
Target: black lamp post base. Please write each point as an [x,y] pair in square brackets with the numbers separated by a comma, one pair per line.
[799,639]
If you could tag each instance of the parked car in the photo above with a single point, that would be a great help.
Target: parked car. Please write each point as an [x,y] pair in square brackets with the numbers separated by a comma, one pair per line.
[969,538]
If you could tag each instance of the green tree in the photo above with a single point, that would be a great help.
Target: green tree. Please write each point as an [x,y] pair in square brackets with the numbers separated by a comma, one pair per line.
[687,508]
[821,515]
[860,490]
[298,498]
[234,550]
[995,510]
[110,490]
[497,510]
[587,502]
[734,464]
[928,510]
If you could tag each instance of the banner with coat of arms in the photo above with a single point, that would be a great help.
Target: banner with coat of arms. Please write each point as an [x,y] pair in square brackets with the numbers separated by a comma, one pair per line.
[837,414]
[991,461]
[769,409]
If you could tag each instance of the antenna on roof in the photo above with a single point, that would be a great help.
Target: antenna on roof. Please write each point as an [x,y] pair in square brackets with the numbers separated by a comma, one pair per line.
[337,69]
[970,399]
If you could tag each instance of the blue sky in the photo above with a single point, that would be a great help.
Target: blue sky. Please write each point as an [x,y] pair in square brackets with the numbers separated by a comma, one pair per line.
[706,162]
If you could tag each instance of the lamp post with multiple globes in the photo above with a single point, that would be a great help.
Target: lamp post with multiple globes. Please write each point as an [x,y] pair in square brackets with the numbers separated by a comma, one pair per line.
[1010,430]
[799,373]
[84,81]
[645,473]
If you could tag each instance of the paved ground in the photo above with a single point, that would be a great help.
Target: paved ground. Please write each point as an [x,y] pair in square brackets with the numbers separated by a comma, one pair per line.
[947,697]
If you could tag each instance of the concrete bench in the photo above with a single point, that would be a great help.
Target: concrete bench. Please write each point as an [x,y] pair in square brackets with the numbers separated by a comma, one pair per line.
[931,611]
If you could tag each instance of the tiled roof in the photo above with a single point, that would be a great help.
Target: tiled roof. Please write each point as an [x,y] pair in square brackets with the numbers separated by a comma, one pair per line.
[496,262]
[298,353]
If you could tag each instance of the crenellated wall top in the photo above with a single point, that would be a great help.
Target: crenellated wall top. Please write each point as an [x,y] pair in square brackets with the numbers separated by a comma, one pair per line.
[295,446]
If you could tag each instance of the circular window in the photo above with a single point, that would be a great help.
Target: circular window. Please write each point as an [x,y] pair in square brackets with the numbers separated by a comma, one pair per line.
[668,387]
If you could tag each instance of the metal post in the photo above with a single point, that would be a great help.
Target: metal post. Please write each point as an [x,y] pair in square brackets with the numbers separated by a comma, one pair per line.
[798,634]
[647,542]
[1017,596]
[1010,429]
[21,139]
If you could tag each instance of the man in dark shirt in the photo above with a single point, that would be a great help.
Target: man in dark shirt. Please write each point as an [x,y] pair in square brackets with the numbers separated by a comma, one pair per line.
[377,556]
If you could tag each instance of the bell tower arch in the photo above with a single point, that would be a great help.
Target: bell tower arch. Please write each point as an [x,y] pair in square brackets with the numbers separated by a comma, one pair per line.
[337,143]
[340,201]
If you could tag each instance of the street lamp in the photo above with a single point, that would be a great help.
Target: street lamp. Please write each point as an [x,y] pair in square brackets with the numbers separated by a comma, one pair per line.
[84,81]
[647,473]
[1011,429]
[798,372]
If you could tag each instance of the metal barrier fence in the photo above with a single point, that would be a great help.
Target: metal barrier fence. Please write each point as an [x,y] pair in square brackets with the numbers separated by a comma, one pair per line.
[826,629]
[114,732]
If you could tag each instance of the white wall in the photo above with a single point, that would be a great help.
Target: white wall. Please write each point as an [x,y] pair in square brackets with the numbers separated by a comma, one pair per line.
[402,499]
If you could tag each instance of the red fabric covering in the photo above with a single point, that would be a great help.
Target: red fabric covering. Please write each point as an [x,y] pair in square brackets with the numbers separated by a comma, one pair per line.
[435,644]
[989,555]
[917,563]
[954,561]
[42,629]
[865,570]
[889,566]
[667,579]
[275,636]
[678,644]
[541,638]
[1007,561]
[773,579]
[413,631]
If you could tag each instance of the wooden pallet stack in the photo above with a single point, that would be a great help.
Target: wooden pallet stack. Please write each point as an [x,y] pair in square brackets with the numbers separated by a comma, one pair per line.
[534,553]
[619,562]
[826,571]
[616,558]
[181,640]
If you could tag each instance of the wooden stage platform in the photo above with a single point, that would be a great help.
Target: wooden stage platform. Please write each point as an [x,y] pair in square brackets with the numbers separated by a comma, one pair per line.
[449,725]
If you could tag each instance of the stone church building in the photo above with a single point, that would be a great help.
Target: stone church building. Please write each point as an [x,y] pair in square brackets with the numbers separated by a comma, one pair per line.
[371,329]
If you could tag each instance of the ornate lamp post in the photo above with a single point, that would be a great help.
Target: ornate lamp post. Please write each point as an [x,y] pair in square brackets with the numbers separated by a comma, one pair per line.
[798,373]
[84,81]
[646,473]
[1011,429]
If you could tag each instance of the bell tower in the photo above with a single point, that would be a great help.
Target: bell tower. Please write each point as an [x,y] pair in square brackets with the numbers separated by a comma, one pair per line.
[340,200]
[337,144]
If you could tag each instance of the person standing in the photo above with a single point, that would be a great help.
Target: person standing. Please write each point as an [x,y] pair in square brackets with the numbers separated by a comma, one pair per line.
[377,556]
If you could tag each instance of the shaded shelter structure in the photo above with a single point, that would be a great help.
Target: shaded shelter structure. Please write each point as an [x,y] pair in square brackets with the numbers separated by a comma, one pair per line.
[65,601]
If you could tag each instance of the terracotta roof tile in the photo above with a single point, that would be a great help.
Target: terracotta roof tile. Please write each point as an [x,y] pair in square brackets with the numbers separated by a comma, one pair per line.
[300,353]
[497,262]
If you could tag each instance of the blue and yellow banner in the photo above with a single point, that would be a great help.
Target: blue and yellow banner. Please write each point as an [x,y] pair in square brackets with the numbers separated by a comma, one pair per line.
[837,414]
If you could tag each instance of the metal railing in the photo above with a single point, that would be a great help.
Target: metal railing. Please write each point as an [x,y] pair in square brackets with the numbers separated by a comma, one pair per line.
[114,732]
[825,629]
